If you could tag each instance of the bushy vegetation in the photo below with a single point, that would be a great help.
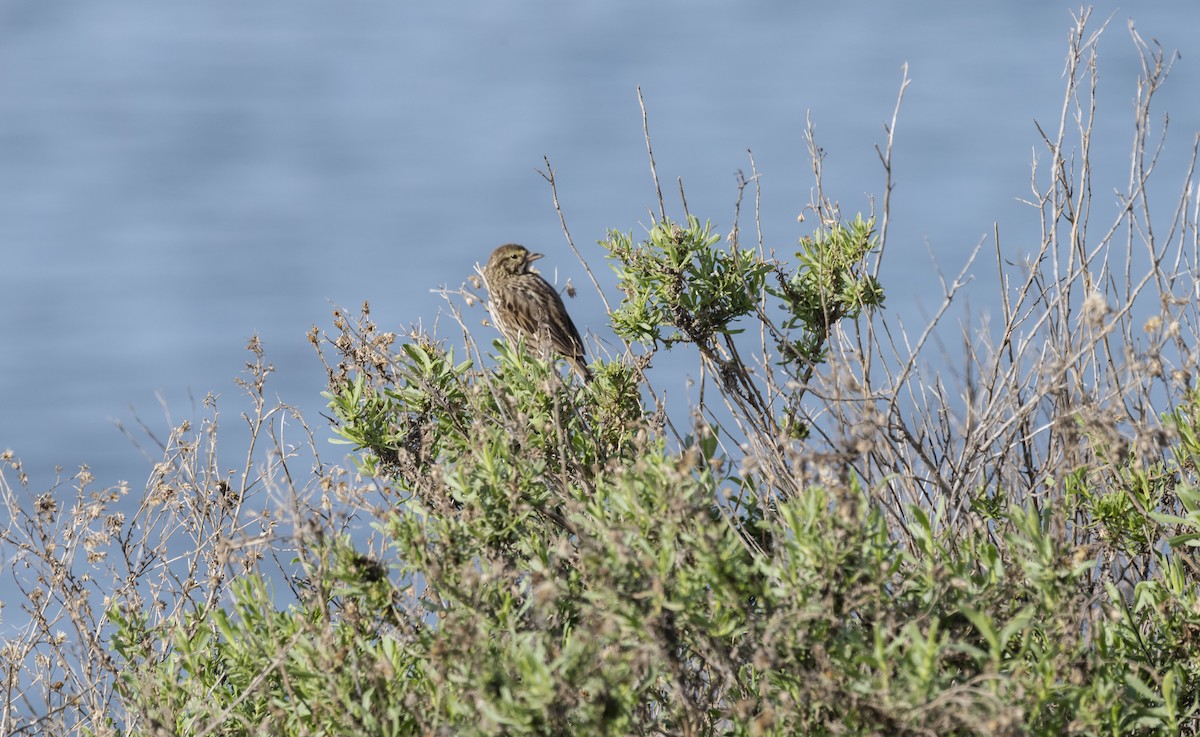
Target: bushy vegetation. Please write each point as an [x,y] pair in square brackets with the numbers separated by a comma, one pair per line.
[837,539]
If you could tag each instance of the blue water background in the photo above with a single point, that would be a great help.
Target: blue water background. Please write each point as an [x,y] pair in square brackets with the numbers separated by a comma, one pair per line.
[175,177]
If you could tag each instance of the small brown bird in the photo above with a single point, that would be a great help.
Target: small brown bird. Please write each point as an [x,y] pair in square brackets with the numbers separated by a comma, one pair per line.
[523,304]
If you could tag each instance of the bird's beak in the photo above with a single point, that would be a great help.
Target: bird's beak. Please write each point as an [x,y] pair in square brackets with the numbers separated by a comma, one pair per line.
[533,257]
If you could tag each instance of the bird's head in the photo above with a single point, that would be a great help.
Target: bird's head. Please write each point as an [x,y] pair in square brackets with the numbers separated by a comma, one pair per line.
[511,259]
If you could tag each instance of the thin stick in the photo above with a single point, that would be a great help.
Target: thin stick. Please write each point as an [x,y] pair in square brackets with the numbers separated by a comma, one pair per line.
[885,156]
[662,208]
[548,175]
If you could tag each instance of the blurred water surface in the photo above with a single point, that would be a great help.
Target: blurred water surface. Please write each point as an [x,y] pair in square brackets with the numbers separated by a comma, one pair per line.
[175,177]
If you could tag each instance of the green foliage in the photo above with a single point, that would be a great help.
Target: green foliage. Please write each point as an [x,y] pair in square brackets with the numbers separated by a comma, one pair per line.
[554,566]
[677,279]
[830,285]
[310,669]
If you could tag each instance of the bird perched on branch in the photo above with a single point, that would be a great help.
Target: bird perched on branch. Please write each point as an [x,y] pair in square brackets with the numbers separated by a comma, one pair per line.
[523,304]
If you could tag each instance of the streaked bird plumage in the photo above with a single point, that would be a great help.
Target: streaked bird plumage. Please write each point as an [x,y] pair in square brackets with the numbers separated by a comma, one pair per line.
[524,305]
